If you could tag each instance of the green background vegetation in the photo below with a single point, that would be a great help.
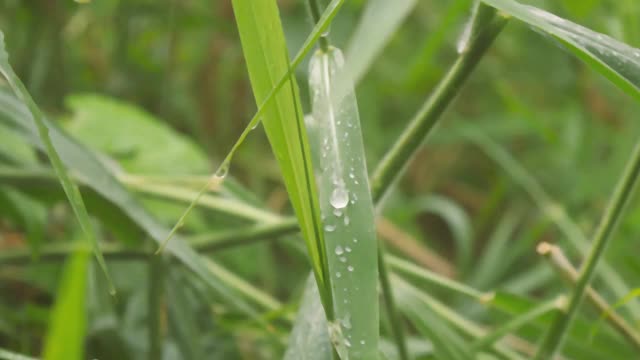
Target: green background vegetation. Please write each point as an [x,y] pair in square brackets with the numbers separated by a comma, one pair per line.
[529,152]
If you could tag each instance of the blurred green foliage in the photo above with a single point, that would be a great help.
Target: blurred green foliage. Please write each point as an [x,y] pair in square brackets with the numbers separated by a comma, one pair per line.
[160,89]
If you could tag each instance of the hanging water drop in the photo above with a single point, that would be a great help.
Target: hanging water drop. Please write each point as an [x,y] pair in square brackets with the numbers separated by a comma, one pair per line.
[339,197]
[350,268]
[339,250]
[329,228]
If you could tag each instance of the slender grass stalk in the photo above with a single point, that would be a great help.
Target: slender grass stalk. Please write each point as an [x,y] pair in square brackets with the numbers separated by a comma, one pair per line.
[614,212]
[560,263]
[424,121]
[316,13]
[518,322]
[416,271]
[390,304]
[155,309]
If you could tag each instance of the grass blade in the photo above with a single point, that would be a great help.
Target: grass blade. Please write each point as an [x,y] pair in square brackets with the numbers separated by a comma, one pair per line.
[70,188]
[65,338]
[618,62]
[345,205]
[263,52]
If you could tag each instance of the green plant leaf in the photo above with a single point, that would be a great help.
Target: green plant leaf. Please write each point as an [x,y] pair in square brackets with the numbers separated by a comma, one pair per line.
[345,205]
[618,62]
[67,327]
[264,54]
[70,188]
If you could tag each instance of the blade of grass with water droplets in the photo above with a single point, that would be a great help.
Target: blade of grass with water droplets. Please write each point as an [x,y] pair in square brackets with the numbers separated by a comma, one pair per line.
[618,62]
[70,188]
[345,205]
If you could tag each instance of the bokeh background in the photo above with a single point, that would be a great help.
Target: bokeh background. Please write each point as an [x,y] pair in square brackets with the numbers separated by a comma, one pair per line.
[160,87]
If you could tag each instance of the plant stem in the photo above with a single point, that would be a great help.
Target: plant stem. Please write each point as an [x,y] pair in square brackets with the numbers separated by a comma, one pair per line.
[518,322]
[390,305]
[555,336]
[424,121]
[316,12]
[560,262]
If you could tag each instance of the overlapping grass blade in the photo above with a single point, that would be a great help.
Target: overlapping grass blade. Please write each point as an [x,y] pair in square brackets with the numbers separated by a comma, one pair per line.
[67,327]
[618,62]
[345,205]
[70,188]
[263,52]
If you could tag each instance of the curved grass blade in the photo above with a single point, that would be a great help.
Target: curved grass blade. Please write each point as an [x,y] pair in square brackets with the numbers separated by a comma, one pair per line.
[345,205]
[324,22]
[70,188]
[65,338]
[618,62]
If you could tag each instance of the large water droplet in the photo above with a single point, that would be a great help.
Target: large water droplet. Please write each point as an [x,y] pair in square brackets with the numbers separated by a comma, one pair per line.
[339,198]
[350,268]
[329,228]
[339,250]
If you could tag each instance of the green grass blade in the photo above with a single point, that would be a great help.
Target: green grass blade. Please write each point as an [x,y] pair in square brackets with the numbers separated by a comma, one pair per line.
[345,205]
[618,62]
[67,327]
[70,188]
[263,52]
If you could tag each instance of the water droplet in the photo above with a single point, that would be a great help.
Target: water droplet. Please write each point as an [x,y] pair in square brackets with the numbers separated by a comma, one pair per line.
[339,250]
[346,220]
[350,268]
[339,198]
[338,274]
[362,342]
[329,228]
[355,240]
[347,249]
[337,212]
[346,322]
[347,342]
[343,259]
[222,171]
[351,175]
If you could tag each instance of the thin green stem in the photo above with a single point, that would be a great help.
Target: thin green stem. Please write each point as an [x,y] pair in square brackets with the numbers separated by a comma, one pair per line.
[316,13]
[424,121]
[556,334]
[562,265]
[390,306]
[433,278]
[517,322]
